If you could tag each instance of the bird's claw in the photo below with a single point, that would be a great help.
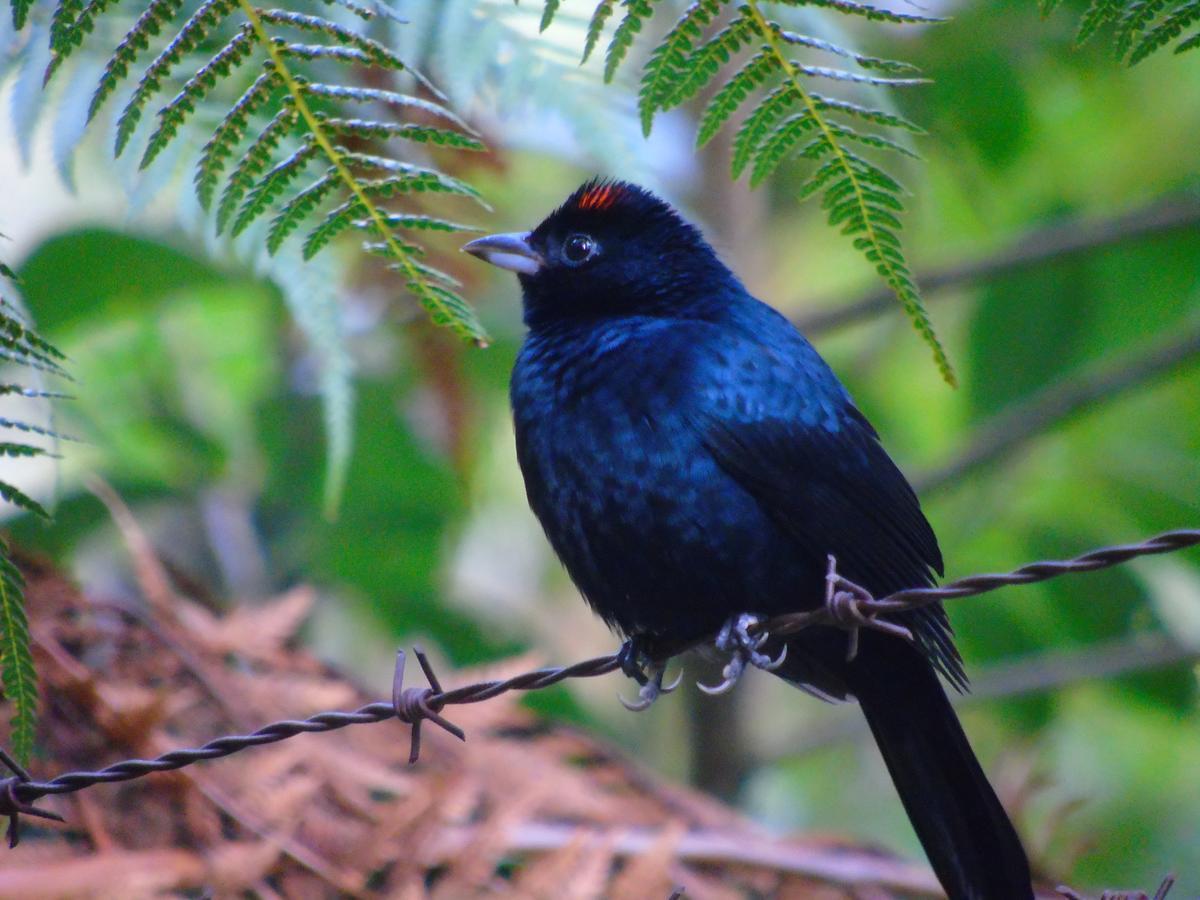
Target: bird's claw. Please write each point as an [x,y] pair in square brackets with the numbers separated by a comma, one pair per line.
[844,600]
[743,649]
[652,688]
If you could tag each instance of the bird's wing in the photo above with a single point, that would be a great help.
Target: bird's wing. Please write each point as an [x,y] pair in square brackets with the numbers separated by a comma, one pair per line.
[787,433]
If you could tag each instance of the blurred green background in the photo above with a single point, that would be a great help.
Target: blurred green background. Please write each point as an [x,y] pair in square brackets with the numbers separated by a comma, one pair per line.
[1056,224]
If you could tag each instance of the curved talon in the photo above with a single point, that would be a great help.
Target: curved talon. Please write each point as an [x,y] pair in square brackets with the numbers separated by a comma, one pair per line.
[732,674]
[772,664]
[651,690]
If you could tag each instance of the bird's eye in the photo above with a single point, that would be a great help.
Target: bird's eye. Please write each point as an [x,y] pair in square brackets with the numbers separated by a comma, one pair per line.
[578,248]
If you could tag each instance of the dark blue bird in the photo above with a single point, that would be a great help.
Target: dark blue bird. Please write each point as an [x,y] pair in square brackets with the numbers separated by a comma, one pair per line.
[692,458]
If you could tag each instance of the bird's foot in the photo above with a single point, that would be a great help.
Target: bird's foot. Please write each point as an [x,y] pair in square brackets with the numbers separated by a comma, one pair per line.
[635,659]
[652,687]
[846,602]
[735,639]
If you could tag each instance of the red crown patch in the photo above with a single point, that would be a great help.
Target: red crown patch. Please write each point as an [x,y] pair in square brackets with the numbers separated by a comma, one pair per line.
[600,197]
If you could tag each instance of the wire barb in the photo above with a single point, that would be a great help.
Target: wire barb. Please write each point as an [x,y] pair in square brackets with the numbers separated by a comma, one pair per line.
[845,603]
[11,803]
[19,792]
[414,705]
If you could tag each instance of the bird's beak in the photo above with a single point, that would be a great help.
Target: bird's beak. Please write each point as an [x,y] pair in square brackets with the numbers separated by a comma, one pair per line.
[508,251]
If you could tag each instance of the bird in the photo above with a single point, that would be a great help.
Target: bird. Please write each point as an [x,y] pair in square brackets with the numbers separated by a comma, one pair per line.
[694,463]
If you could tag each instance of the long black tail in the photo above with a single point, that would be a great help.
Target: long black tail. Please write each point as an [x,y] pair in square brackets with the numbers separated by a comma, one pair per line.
[968,837]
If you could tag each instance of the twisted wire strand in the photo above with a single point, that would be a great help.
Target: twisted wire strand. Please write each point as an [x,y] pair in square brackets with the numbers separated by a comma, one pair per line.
[414,705]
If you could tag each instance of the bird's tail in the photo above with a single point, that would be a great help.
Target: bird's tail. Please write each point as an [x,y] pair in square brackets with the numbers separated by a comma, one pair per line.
[966,833]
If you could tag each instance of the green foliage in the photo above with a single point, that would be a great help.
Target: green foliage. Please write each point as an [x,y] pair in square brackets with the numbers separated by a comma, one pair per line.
[21,346]
[786,118]
[280,123]
[1139,27]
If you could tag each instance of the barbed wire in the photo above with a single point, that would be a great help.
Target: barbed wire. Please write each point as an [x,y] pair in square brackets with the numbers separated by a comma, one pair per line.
[847,606]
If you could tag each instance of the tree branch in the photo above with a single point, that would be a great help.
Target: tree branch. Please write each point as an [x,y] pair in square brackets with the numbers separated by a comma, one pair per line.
[1033,249]
[1008,430]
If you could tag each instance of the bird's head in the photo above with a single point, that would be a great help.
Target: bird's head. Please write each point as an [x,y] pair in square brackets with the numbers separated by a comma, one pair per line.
[612,249]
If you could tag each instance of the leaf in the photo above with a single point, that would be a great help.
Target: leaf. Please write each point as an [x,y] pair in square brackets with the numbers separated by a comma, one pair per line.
[636,14]
[866,11]
[299,208]
[1165,31]
[726,101]
[390,98]
[548,14]
[272,185]
[669,59]
[220,146]
[196,89]
[706,61]
[867,62]
[365,129]
[149,23]
[209,14]
[254,162]
[16,658]
[596,26]
[20,13]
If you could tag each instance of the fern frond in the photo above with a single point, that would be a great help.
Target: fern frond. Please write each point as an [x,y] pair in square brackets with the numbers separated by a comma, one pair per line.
[16,658]
[548,13]
[602,14]
[867,62]
[224,140]
[254,162]
[300,208]
[198,26]
[425,223]
[194,90]
[148,24]
[1169,28]
[637,12]
[365,129]
[706,61]
[272,185]
[669,58]
[388,98]
[20,13]
[725,102]
[866,11]
[1138,30]
[418,179]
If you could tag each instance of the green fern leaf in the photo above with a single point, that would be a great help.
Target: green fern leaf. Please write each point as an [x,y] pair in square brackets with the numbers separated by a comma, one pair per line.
[418,178]
[149,23]
[1134,20]
[726,101]
[194,30]
[16,659]
[1190,44]
[335,222]
[370,52]
[867,62]
[857,78]
[877,116]
[706,61]
[20,13]
[1165,31]
[389,98]
[866,11]
[21,450]
[175,113]
[1098,13]
[299,208]
[445,307]
[220,147]
[253,163]
[66,12]
[364,129]
[669,58]
[779,144]
[425,223]
[71,36]
[272,185]
[636,14]
[603,12]
[548,14]
[757,126]
[15,496]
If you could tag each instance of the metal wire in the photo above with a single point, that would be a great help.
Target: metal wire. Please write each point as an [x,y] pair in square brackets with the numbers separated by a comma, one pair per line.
[414,705]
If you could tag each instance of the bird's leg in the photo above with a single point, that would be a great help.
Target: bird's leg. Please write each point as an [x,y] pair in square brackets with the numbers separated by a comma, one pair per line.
[637,660]
[633,658]
[844,599]
[735,639]
[652,687]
